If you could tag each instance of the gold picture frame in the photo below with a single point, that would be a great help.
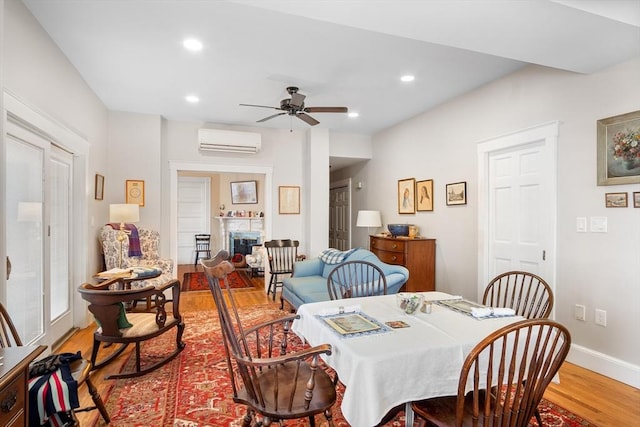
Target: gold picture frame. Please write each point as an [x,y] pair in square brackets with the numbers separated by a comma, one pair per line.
[619,149]
[424,195]
[99,187]
[407,196]
[288,199]
[134,192]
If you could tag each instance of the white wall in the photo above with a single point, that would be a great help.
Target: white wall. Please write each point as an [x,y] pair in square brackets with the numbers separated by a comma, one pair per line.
[36,72]
[597,270]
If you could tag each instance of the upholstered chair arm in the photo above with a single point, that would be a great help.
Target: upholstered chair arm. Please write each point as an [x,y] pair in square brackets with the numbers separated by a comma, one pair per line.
[308,267]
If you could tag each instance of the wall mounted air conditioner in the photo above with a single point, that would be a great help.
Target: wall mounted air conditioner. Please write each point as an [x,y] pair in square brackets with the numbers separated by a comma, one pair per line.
[229,141]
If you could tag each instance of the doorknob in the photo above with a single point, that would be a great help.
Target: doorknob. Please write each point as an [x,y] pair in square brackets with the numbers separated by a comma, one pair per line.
[8,267]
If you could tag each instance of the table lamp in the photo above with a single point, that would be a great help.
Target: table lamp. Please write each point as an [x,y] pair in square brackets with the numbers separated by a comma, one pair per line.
[123,213]
[368,219]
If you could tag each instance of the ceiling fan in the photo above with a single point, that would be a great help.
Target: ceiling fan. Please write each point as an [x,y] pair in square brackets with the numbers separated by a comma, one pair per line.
[294,106]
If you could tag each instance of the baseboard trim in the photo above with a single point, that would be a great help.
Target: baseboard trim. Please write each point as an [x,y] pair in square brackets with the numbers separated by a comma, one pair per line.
[606,365]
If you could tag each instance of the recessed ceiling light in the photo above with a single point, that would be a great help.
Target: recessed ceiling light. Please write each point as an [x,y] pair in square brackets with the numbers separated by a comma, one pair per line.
[353,114]
[192,99]
[407,78]
[192,44]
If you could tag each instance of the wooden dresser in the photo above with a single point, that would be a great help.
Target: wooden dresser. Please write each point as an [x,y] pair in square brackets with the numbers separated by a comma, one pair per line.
[417,255]
[14,392]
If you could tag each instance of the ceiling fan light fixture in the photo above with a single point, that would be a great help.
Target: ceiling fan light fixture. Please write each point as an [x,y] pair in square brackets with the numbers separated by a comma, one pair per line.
[192,99]
[407,78]
[353,114]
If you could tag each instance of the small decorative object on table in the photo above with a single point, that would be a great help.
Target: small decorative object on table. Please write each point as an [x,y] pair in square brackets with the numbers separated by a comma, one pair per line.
[398,229]
[409,303]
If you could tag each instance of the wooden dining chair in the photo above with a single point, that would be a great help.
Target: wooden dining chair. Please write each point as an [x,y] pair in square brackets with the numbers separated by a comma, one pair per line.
[282,254]
[203,246]
[503,378]
[353,279]
[80,369]
[276,384]
[528,294]
[116,326]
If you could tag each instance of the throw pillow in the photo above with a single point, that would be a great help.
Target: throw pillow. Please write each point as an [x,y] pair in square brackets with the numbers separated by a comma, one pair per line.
[334,256]
[123,322]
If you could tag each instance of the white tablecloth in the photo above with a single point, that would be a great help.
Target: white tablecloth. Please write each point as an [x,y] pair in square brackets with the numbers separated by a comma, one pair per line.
[384,370]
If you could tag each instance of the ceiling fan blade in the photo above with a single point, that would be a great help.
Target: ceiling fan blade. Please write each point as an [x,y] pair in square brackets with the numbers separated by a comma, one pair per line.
[270,117]
[326,109]
[261,106]
[297,99]
[307,118]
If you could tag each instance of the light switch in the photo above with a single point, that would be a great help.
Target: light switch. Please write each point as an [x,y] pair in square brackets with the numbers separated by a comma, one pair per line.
[598,224]
[581,224]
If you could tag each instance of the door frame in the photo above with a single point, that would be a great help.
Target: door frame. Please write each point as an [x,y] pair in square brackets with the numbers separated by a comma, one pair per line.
[175,167]
[548,134]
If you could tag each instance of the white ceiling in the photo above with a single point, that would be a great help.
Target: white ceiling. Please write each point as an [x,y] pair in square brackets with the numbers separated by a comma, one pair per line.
[340,53]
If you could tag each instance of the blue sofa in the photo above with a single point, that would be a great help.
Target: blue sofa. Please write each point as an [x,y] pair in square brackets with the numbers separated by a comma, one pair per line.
[309,280]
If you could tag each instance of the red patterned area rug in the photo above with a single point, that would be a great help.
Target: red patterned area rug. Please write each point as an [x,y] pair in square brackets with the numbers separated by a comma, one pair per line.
[194,389]
[197,281]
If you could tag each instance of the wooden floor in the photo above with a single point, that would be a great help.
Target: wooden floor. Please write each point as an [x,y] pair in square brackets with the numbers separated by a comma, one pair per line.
[599,399]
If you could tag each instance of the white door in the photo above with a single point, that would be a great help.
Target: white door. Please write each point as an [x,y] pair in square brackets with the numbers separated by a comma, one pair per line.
[38,223]
[194,214]
[25,210]
[59,230]
[339,218]
[518,207]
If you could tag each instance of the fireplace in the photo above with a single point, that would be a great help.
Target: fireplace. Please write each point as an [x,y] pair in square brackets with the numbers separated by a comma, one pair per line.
[242,242]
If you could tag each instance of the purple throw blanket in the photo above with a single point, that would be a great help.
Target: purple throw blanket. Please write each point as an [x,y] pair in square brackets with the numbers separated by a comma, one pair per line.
[134,239]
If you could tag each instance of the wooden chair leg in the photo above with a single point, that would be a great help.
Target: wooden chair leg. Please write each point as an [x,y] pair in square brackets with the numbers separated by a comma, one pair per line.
[97,400]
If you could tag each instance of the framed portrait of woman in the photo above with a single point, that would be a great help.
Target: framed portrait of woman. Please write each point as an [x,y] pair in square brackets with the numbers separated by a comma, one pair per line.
[424,195]
[407,196]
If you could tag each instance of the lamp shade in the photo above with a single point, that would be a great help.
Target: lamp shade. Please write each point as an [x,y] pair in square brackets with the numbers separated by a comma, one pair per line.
[128,212]
[368,219]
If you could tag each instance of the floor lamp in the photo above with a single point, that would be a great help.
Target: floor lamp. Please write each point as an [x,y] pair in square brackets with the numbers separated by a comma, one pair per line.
[369,219]
[123,213]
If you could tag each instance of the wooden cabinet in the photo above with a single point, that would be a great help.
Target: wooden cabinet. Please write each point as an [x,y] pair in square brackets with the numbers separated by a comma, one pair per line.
[417,255]
[14,374]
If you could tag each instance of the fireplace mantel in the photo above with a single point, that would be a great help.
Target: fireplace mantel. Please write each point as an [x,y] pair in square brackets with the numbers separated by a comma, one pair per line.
[238,223]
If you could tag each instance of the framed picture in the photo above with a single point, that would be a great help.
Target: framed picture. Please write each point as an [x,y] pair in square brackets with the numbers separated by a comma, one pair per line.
[244,192]
[636,199]
[407,196]
[99,190]
[424,195]
[615,200]
[457,193]
[135,192]
[619,149]
[288,199]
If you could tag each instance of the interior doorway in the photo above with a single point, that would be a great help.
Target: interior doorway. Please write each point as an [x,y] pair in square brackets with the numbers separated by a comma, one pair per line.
[517,212]
[340,215]
[176,168]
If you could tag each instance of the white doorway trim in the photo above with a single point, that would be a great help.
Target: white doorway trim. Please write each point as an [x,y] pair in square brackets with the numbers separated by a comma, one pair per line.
[175,167]
[548,134]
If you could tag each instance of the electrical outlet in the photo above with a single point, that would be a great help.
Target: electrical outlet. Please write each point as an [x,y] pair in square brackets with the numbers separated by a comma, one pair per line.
[601,317]
[579,312]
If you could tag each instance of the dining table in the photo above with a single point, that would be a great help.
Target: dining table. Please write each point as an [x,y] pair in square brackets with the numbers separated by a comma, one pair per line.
[397,357]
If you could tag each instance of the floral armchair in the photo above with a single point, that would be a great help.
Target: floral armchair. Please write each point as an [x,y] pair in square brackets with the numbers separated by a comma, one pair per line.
[149,244]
